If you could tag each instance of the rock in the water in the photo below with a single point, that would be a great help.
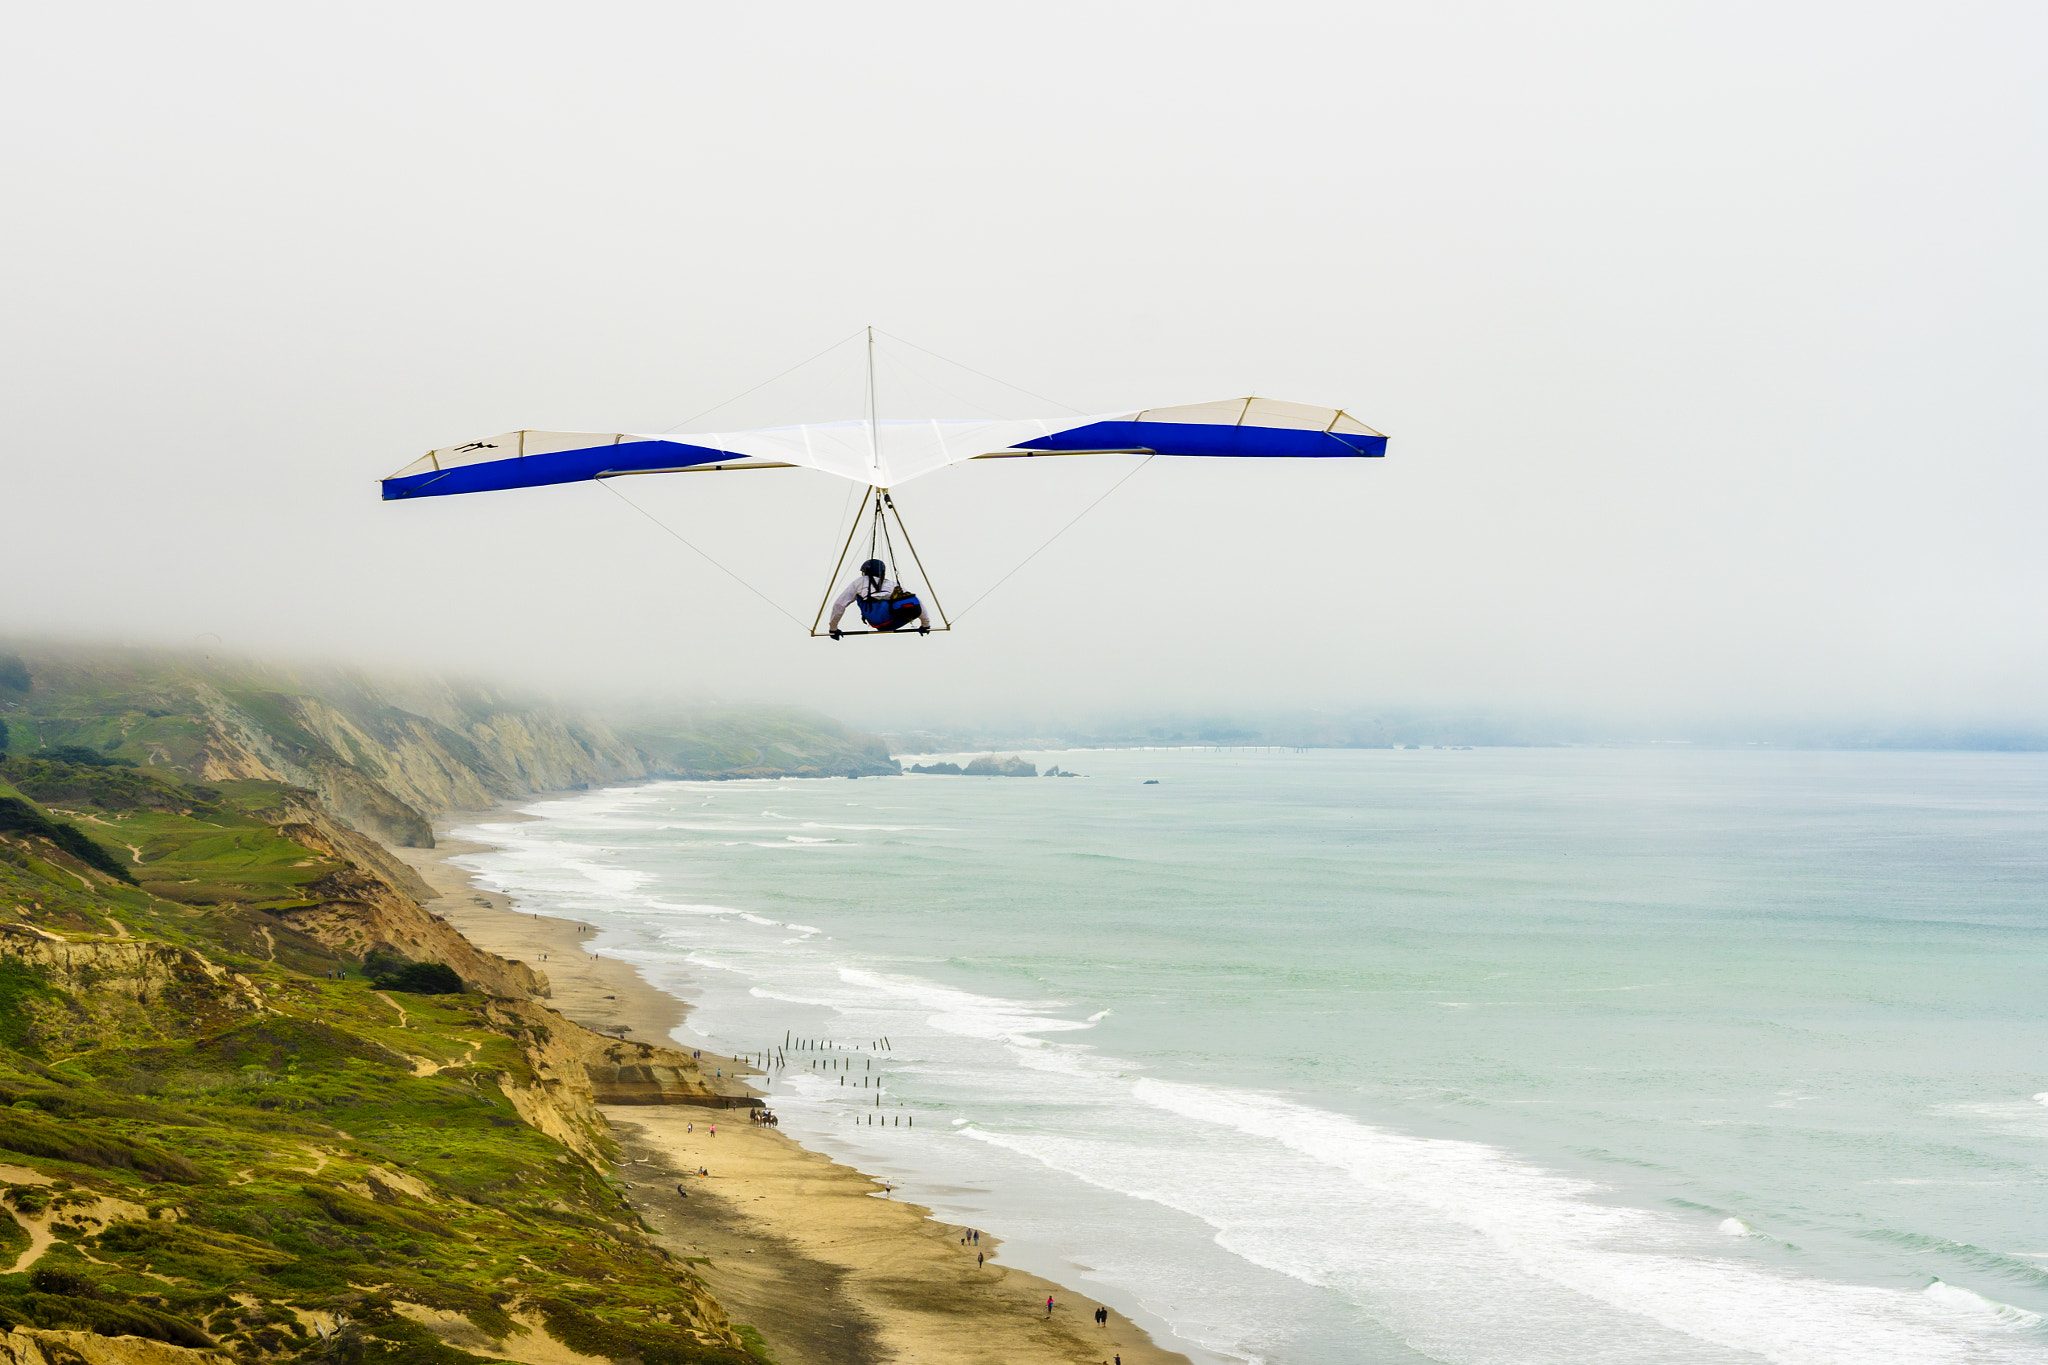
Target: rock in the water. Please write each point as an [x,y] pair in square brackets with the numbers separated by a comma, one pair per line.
[988,765]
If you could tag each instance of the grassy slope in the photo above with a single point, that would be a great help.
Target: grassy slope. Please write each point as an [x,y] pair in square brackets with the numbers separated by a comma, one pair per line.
[285,1151]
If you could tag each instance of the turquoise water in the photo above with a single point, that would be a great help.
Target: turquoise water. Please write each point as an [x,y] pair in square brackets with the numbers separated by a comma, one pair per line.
[1469,1056]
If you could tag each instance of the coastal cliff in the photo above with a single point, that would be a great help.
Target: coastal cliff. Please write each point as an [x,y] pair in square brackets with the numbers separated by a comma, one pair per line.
[259,1103]
[384,756]
[218,1140]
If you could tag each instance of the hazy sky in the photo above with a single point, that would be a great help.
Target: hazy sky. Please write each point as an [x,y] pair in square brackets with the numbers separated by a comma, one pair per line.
[1708,336]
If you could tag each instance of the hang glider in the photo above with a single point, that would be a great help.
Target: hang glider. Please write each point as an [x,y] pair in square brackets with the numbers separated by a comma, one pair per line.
[889,453]
[883,455]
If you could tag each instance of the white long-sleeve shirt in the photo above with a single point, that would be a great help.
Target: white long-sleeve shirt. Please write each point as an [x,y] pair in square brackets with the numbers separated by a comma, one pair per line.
[859,587]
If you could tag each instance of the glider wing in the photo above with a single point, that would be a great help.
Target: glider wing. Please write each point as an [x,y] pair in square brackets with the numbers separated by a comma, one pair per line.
[889,453]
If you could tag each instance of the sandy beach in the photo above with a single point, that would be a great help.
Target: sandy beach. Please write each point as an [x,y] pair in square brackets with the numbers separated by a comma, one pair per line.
[811,1253]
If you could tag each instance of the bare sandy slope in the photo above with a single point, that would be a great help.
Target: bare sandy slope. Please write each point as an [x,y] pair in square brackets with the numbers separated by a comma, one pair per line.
[809,1252]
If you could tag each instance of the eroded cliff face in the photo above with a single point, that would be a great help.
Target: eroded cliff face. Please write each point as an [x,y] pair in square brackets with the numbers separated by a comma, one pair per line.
[372,905]
[385,770]
[527,746]
[251,1152]
[387,755]
[461,748]
[623,1072]
[86,994]
[575,1069]
[37,1346]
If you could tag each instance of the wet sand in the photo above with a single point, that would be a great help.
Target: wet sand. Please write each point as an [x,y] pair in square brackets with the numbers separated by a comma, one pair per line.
[809,1252]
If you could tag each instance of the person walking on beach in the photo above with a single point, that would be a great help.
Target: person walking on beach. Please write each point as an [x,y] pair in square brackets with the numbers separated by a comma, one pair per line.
[978,1258]
[1048,1305]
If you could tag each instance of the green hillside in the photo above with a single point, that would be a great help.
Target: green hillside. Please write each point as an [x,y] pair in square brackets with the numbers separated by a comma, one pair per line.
[386,755]
[208,1139]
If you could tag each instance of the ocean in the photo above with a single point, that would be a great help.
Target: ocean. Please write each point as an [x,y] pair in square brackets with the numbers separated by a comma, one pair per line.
[1472,1056]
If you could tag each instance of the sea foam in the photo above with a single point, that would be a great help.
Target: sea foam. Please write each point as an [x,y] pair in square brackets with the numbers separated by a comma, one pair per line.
[1468,1252]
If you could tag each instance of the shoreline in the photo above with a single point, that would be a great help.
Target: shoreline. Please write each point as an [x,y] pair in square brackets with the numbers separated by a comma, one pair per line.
[808,1251]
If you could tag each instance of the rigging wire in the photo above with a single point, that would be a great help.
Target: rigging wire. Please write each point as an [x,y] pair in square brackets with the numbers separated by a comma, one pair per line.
[907,368]
[764,383]
[971,370]
[873,417]
[1055,536]
[606,485]
[852,491]
[878,536]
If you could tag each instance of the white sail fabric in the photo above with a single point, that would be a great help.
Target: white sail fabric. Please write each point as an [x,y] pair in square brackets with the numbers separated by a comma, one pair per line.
[889,453]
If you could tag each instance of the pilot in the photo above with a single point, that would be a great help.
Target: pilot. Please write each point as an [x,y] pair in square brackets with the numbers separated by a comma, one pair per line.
[884,605]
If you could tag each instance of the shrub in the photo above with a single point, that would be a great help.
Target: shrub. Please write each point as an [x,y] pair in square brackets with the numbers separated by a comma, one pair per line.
[30,1199]
[586,1332]
[63,1310]
[64,1298]
[110,787]
[53,1281]
[389,973]
[78,753]
[355,1211]
[21,988]
[19,817]
[22,1132]
[274,1043]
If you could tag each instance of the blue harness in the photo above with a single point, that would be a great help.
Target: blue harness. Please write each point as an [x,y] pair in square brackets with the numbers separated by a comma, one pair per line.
[884,612]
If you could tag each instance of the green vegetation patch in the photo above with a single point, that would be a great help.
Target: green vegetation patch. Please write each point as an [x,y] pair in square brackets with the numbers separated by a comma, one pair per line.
[356,1211]
[21,1131]
[65,1300]
[81,754]
[280,1043]
[103,785]
[592,1335]
[19,817]
[13,1240]
[186,1251]
[20,984]
[273,1132]
[388,973]
[224,845]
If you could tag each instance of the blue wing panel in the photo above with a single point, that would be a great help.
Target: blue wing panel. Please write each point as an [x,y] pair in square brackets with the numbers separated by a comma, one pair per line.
[558,466]
[1188,438]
